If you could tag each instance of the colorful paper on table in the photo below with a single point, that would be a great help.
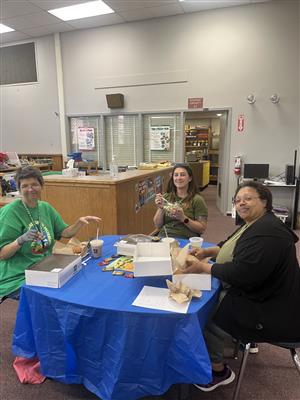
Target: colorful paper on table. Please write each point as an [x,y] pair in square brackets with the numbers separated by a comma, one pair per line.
[123,263]
[158,299]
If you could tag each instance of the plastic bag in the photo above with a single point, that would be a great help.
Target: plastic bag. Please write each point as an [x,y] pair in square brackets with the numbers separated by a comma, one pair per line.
[28,370]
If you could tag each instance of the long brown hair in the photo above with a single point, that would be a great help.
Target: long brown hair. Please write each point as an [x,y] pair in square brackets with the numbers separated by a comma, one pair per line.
[192,188]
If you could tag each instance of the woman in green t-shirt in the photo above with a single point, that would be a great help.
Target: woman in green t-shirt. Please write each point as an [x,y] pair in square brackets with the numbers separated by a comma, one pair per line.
[181,211]
[28,230]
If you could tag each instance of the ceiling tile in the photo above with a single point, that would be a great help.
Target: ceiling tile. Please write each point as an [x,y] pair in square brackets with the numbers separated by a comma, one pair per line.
[135,15]
[164,11]
[31,20]
[13,37]
[192,6]
[52,4]
[16,8]
[30,16]
[48,29]
[93,22]
[18,23]
[128,5]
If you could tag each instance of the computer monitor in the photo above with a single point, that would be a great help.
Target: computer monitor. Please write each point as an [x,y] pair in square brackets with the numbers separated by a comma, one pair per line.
[256,171]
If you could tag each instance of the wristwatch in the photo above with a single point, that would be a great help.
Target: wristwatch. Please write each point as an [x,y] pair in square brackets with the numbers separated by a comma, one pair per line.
[186,220]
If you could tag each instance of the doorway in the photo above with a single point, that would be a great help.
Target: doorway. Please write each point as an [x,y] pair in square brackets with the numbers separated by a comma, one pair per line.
[207,137]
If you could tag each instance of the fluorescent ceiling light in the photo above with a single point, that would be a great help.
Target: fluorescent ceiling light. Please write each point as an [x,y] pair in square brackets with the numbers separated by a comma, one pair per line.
[4,29]
[84,10]
[219,115]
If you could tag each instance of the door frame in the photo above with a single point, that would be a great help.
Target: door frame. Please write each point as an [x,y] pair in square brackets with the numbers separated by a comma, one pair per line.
[223,202]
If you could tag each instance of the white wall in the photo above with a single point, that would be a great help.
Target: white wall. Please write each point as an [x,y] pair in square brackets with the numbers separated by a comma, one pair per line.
[226,53]
[28,120]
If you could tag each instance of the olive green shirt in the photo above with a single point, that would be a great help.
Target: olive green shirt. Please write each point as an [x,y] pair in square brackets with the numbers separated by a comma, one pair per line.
[195,210]
[226,251]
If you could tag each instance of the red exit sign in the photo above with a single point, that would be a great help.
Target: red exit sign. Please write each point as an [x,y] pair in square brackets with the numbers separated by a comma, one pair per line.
[195,102]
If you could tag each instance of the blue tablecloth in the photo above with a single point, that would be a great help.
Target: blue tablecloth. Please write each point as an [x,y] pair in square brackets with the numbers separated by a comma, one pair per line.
[88,332]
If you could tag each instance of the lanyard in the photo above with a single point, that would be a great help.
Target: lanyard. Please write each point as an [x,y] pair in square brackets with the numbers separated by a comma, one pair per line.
[40,245]
[37,227]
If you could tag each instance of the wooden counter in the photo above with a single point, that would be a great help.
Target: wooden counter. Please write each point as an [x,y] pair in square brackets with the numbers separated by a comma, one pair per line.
[119,202]
[6,200]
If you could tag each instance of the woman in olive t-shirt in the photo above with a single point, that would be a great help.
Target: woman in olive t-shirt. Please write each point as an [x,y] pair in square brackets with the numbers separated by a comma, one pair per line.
[181,211]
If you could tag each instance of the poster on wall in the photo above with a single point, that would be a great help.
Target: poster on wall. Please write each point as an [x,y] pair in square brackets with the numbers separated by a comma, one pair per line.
[158,184]
[142,192]
[150,189]
[160,137]
[86,138]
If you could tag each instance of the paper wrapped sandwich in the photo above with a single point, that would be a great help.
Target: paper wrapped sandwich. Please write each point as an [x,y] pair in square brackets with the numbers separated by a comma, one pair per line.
[182,293]
[74,246]
[181,258]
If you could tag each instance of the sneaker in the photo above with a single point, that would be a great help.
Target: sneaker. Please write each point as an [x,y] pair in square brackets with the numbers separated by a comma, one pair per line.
[226,378]
[253,348]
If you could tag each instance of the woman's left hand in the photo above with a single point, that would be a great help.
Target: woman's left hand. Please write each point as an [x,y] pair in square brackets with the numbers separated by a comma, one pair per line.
[89,218]
[194,267]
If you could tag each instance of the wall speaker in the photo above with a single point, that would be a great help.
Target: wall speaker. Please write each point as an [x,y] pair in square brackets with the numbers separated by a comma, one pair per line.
[289,174]
[115,100]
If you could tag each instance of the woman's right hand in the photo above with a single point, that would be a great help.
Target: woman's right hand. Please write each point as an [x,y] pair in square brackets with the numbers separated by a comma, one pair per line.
[159,201]
[194,267]
[199,253]
[28,236]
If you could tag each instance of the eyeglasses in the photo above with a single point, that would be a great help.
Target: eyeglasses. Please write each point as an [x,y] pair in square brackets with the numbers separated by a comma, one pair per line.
[245,199]
[34,186]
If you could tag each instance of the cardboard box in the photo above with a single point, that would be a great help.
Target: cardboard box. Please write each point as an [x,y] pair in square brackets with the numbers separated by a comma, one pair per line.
[194,281]
[53,271]
[125,249]
[152,259]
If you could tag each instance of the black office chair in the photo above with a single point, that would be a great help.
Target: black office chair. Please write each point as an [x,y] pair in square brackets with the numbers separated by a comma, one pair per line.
[293,347]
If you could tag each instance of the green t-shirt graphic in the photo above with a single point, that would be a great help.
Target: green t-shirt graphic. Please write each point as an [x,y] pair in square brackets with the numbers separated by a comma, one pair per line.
[14,221]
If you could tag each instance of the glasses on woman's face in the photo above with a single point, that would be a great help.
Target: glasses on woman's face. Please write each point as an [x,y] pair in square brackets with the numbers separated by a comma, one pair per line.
[33,186]
[244,199]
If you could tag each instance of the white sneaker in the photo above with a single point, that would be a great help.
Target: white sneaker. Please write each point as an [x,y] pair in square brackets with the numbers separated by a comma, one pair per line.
[253,348]
[217,381]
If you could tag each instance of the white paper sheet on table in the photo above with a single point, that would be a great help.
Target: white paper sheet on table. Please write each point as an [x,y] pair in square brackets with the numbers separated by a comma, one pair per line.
[158,299]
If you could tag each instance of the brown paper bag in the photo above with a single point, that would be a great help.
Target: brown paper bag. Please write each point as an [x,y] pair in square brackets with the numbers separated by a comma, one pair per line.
[181,258]
[74,246]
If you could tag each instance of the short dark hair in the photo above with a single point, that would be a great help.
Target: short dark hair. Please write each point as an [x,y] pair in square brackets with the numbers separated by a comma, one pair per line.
[192,188]
[28,172]
[263,192]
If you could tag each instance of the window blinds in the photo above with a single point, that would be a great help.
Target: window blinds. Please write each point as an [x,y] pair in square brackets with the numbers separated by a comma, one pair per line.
[171,154]
[120,137]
